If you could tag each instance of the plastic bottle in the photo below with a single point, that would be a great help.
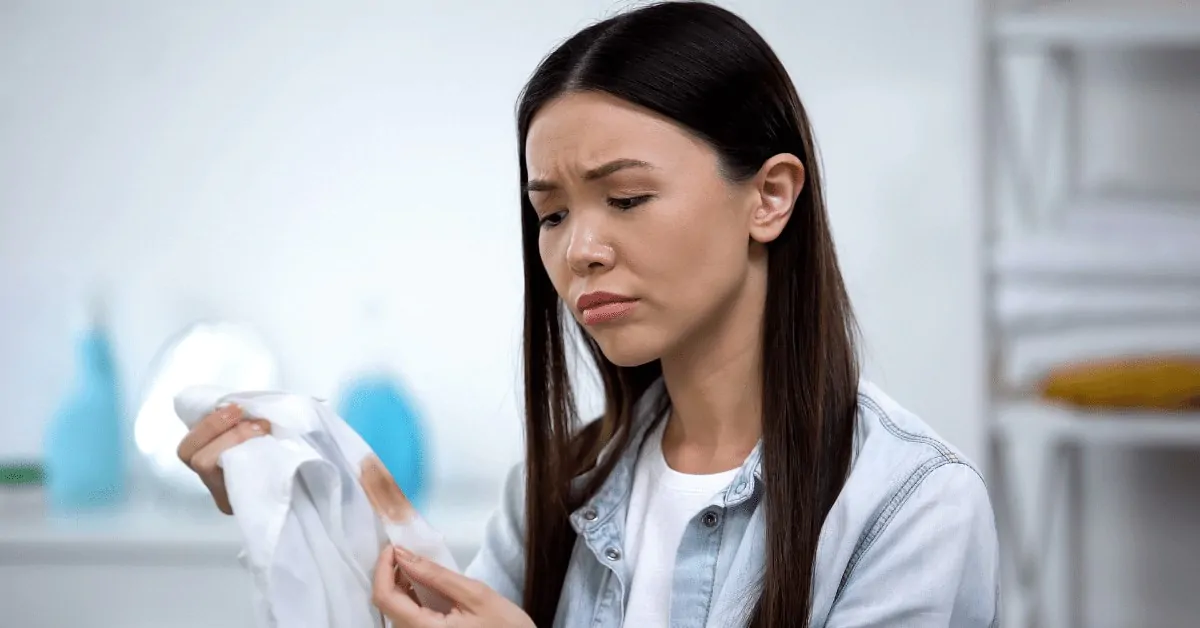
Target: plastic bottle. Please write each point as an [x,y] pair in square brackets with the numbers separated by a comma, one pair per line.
[84,442]
[376,404]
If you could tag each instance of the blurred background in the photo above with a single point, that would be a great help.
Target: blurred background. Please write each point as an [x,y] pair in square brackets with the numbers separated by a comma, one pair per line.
[321,196]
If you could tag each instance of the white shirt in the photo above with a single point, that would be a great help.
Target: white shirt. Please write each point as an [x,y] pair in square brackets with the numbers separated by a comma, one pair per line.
[661,504]
[310,535]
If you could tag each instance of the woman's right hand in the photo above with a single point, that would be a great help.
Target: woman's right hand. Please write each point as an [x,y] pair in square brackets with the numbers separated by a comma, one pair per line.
[201,449]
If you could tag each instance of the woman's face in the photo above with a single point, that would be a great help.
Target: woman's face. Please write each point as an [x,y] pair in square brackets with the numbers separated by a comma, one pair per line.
[644,239]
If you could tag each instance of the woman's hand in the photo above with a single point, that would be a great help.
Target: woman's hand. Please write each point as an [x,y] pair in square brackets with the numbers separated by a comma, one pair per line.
[476,605]
[202,447]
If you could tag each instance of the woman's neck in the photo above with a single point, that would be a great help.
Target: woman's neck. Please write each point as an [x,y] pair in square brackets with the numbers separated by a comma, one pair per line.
[715,385]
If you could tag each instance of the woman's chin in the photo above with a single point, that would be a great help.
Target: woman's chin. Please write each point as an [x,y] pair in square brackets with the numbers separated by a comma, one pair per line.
[625,347]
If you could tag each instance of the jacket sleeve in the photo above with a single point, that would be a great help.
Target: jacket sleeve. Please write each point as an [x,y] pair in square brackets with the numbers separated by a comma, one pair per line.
[500,563]
[936,563]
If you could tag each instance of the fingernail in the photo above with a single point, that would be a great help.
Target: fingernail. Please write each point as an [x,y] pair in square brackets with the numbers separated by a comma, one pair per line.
[406,555]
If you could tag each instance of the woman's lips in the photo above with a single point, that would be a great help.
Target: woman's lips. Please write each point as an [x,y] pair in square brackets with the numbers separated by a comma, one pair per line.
[601,307]
[607,312]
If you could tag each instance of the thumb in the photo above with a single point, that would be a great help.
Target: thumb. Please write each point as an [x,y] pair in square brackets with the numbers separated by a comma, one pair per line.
[464,592]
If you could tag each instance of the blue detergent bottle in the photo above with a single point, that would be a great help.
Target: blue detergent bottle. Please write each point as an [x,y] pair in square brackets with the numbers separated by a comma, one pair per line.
[377,405]
[84,442]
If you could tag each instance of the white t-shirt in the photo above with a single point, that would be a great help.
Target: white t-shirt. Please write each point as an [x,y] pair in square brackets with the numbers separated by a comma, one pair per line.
[661,504]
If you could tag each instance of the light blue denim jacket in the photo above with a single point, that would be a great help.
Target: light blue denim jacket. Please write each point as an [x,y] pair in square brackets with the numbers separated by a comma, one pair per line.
[910,541]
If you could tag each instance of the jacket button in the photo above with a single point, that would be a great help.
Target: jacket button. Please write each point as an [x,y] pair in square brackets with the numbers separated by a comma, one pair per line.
[710,519]
[590,514]
[612,553]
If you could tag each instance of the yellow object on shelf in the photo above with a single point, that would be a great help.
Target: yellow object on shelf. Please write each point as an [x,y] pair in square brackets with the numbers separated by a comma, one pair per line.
[1143,383]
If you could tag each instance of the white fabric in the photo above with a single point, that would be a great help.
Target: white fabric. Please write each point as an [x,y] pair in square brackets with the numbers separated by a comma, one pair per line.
[661,503]
[310,536]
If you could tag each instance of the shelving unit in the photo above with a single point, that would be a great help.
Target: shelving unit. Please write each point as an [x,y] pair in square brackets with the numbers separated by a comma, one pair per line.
[1019,212]
[1139,429]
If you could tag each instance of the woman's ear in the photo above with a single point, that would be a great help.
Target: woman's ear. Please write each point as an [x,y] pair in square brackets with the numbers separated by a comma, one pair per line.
[777,186]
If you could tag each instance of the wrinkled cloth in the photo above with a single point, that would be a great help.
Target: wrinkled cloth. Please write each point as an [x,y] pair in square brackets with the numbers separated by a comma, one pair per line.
[310,535]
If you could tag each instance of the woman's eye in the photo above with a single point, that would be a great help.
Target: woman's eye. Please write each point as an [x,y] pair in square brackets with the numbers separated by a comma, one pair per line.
[552,220]
[628,202]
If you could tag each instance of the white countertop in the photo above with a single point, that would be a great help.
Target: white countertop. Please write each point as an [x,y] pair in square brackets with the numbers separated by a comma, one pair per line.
[141,534]
[143,567]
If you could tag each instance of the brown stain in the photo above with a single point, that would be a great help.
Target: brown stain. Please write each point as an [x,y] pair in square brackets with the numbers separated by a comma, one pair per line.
[382,491]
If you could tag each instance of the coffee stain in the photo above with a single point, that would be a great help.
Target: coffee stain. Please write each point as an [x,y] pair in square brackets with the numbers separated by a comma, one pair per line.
[382,491]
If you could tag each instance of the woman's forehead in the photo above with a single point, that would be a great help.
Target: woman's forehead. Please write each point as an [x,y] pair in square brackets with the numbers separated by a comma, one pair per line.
[584,131]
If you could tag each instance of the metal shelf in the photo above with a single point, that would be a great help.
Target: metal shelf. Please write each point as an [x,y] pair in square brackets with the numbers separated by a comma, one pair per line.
[1085,25]
[1104,237]
[1064,423]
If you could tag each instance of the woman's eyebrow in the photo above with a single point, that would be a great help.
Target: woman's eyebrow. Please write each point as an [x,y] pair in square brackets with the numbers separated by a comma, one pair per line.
[599,172]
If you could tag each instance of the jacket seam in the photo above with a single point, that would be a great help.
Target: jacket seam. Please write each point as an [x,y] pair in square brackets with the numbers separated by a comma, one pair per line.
[902,434]
[885,517]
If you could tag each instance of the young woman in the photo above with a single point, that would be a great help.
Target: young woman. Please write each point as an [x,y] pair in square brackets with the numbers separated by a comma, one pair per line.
[742,474]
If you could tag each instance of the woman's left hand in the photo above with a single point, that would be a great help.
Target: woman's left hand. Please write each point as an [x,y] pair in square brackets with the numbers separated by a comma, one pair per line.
[476,604]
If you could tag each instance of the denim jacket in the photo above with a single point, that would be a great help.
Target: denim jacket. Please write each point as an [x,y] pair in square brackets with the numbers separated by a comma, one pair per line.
[910,541]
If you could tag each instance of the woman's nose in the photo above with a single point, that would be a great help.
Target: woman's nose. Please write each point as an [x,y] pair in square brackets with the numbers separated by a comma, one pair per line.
[588,251]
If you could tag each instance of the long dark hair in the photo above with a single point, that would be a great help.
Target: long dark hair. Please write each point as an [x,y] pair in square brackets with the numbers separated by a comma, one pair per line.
[710,72]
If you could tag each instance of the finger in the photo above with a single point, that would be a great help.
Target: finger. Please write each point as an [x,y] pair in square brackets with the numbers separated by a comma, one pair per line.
[467,593]
[205,460]
[215,484]
[397,604]
[405,585]
[210,427]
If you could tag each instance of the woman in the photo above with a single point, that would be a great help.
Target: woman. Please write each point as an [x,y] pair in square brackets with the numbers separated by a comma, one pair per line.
[741,474]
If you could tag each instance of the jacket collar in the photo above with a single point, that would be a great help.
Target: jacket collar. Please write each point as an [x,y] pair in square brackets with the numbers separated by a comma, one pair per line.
[614,492]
